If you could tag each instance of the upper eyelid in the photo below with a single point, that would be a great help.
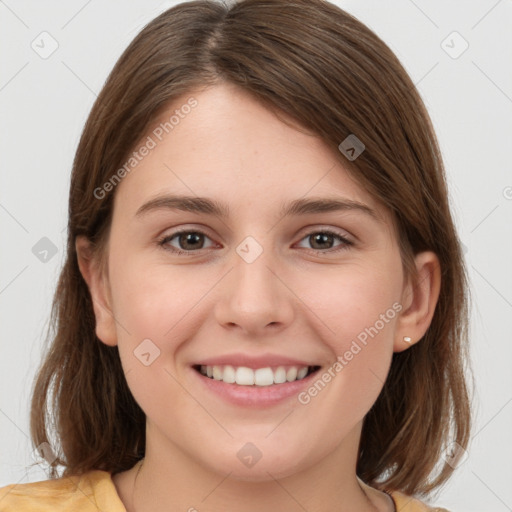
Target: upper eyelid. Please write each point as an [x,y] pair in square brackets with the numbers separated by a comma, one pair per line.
[306,231]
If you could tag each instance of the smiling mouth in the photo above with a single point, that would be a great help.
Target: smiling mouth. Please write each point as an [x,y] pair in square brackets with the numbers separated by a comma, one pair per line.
[267,376]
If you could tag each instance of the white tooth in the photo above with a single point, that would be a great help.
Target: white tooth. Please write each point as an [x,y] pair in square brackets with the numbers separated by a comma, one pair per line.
[280,375]
[248,377]
[264,377]
[244,376]
[302,373]
[291,374]
[217,372]
[229,374]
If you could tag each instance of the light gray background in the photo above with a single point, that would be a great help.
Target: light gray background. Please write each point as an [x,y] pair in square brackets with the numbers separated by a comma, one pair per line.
[44,104]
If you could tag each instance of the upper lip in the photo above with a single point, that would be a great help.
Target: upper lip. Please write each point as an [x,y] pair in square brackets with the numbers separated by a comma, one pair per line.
[253,362]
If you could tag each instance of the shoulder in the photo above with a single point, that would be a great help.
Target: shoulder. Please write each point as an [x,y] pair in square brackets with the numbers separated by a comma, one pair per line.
[89,492]
[406,503]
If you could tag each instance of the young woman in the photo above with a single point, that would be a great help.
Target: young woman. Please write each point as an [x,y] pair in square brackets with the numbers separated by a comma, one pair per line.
[264,303]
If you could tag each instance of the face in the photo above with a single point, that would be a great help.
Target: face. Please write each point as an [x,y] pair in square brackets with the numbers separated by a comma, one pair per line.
[321,289]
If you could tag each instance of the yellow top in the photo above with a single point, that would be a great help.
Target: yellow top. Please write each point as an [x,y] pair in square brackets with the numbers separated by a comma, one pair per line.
[95,491]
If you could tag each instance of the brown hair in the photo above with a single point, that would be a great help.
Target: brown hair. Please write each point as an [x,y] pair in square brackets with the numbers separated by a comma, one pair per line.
[335,77]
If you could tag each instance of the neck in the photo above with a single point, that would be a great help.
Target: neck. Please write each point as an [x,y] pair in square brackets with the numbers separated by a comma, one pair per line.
[170,480]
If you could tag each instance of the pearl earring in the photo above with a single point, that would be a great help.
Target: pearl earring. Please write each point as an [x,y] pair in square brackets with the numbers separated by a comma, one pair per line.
[407,339]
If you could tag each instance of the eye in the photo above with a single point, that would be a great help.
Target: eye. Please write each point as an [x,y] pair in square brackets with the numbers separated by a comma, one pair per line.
[326,237]
[190,240]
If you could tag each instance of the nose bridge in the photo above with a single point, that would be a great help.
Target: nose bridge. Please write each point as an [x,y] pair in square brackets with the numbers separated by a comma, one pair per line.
[254,297]
[253,261]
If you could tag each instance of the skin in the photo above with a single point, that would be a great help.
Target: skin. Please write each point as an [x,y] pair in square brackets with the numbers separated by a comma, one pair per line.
[295,299]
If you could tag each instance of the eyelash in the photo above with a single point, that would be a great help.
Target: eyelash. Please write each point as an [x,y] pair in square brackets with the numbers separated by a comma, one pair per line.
[164,240]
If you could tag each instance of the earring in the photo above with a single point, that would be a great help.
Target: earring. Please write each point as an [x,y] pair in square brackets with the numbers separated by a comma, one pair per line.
[407,339]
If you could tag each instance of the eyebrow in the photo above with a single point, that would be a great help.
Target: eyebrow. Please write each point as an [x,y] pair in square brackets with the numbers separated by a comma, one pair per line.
[204,205]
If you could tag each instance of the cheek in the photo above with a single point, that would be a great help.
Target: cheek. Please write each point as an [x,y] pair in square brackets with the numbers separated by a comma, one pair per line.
[151,300]
[154,311]
[158,309]
[356,313]
[350,299]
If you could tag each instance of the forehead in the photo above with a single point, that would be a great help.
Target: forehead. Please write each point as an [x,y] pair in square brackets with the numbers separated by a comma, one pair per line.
[230,147]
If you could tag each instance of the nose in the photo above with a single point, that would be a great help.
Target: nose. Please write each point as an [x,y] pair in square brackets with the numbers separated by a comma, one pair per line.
[254,297]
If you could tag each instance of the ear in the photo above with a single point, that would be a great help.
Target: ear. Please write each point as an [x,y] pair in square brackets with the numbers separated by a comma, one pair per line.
[99,289]
[418,301]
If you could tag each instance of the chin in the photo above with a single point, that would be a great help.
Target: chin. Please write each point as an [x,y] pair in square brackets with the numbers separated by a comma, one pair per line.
[260,472]
[246,462]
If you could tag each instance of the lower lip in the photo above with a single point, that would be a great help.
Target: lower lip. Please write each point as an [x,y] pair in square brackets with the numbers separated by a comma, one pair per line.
[255,396]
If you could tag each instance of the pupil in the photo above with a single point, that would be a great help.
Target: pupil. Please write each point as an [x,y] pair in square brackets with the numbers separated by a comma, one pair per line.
[322,238]
[186,239]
